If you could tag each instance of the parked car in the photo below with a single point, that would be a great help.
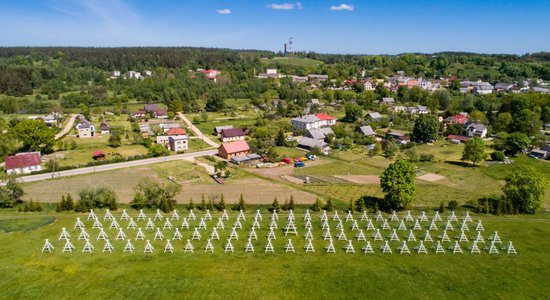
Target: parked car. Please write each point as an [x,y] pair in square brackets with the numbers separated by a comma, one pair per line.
[299,164]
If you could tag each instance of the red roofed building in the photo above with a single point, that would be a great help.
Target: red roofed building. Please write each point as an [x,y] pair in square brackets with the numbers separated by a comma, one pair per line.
[326,120]
[229,150]
[457,119]
[211,74]
[98,155]
[23,163]
[176,131]
[175,139]
[232,134]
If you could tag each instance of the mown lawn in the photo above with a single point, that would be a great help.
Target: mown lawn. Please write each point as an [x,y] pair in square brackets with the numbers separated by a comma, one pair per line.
[86,146]
[207,127]
[27,273]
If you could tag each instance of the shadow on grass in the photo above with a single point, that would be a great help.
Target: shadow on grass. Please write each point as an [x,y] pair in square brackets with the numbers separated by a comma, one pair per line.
[460,164]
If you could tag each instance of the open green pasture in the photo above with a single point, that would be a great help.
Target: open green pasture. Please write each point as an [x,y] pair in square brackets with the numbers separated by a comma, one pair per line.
[28,273]
[86,146]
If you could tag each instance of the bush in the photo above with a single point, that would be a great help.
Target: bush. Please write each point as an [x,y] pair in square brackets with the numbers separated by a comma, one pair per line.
[31,206]
[496,205]
[453,204]
[441,207]
[360,205]
[285,205]
[66,204]
[241,205]
[275,207]
[153,194]
[351,206]
[96,197]
[318,205]
[328,205]
[291,203]
[498,156]
[220,206]
[191,204]
[158,150]
[202,205]
[426,157]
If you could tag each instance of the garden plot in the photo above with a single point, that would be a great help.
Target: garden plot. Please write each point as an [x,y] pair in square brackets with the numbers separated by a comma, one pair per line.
[362,179]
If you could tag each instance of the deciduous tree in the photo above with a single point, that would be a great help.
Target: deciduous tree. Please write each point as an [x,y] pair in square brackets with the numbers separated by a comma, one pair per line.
[525,188]
[397,183]
[34,135]
[425,128]
[474,150]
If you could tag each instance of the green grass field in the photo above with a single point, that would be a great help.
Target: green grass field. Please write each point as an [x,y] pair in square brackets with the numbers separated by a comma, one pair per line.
[85,147]
[28,273]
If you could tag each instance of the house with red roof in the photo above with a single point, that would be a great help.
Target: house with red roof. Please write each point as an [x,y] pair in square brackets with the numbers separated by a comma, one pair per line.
[231,135]
[175,131]
[326,120]
[23,163]
[457,119]
[211,74]
[175,139]
[316,121]
[98,155]
[232,149]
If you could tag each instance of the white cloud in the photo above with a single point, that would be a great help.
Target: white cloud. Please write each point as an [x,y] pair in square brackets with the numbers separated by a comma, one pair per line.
[342,6]
[286,6]
[224,11]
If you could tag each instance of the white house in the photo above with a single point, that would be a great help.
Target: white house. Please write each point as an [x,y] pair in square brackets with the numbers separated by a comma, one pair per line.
[306,122]
[175,139]
[369,85]
[23,163]
[476,129]
[178,143]
[104,127]
[316,121]
[483,90]
[133,75]
[85,129]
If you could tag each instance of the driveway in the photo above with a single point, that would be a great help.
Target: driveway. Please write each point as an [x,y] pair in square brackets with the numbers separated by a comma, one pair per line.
[197,131]
[67,127]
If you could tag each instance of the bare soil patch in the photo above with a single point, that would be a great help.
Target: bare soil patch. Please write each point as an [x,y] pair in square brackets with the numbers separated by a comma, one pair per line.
[431,177]
[362,179]
[254,191]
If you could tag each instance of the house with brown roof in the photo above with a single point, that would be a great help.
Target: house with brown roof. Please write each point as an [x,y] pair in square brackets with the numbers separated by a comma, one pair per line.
[85,129]
[23,163]
[231,135]
[232,149]
[104,128]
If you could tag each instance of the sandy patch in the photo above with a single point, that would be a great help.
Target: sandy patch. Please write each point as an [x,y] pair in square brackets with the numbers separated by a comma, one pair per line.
[431,177]
[363,179]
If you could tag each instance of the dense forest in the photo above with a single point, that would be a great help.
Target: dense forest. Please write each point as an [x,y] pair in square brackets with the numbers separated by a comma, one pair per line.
[44,79]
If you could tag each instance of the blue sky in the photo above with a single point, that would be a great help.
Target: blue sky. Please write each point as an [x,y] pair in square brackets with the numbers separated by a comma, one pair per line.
[358,26]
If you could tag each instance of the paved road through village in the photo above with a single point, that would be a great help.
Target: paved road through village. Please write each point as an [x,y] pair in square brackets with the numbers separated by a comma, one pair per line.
[115,166]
